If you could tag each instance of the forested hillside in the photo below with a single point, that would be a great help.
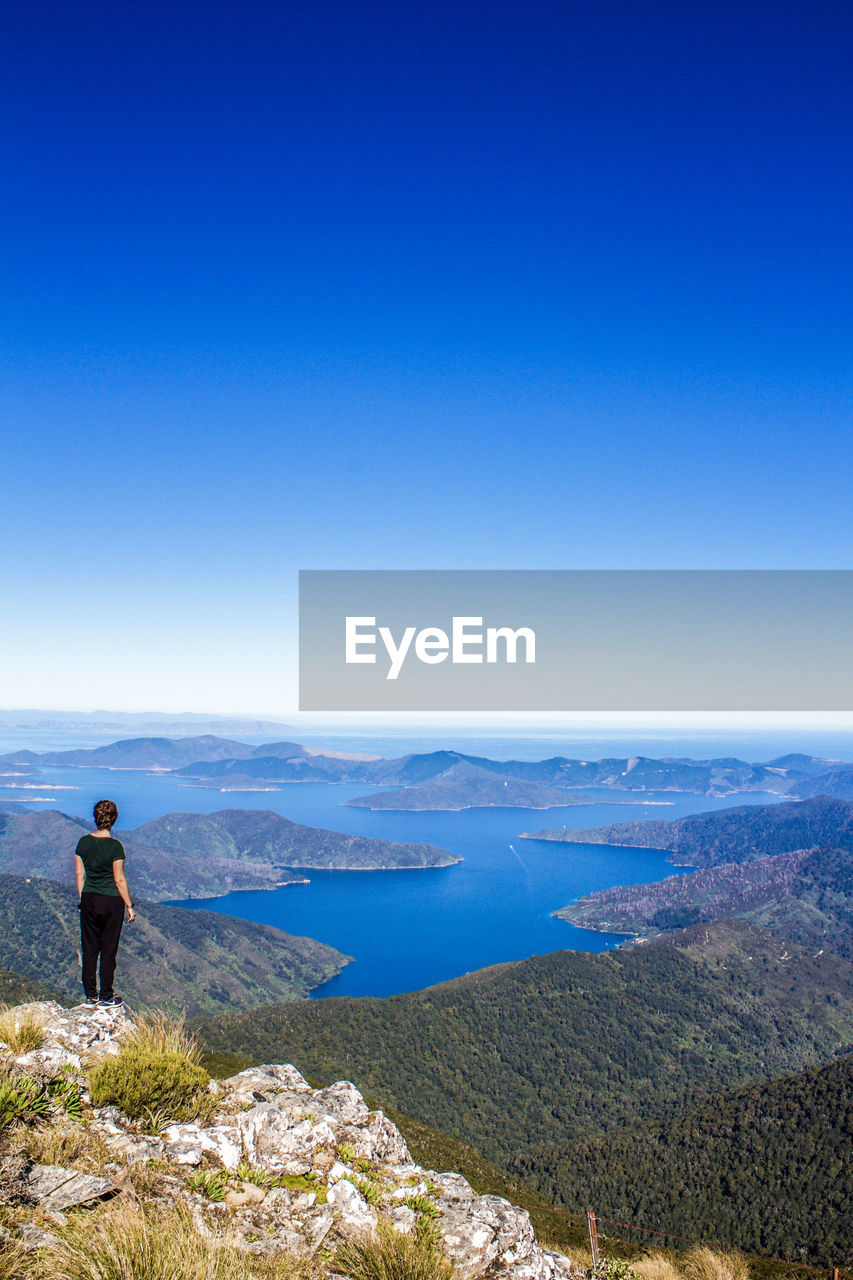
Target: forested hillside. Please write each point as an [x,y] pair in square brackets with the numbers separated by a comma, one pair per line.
[569,1044]
[199,961]
[805,896]
[729,835]
[765,1168]
[203,855]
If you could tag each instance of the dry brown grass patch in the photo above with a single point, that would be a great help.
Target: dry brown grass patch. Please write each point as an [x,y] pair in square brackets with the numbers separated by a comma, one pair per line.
[120,1243]
[161,1032]
[703,1263]
[21,1031]
[657,1266]
[63,1144]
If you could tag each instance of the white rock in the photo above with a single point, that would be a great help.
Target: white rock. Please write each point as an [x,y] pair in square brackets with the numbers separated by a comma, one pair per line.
[387,1142]
[403,1219]
[343,1102]
[272,1140]
[262,1083]
[454,1189]
[490,1231]
[135,1148]
[32,1237]
[223,1141]
[315,1228]
[352,1211]
[49,1060]
[403,1193]
[337,1172]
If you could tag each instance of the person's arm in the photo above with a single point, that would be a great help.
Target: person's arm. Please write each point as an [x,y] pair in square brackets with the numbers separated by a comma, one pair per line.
[121,885]
[81,873]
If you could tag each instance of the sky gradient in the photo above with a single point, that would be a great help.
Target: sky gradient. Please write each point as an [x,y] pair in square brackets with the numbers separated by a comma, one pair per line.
[490,286]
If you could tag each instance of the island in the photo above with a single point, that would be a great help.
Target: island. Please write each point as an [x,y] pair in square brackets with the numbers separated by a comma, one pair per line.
[467,786]
[201,759]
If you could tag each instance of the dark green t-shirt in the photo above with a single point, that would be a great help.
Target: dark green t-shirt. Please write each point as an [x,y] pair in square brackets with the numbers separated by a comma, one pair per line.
[98,854]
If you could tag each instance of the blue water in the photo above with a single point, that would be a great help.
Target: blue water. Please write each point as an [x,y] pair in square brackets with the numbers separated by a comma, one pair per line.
[409,929]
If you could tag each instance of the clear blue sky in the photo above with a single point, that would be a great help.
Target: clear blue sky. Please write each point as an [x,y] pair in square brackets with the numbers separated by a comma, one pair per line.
[516,285]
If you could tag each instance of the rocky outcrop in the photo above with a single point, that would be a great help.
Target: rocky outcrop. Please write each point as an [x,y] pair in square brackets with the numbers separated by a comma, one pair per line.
[287,1168]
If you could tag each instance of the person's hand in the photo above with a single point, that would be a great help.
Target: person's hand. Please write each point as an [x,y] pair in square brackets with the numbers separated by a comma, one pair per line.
[131,914]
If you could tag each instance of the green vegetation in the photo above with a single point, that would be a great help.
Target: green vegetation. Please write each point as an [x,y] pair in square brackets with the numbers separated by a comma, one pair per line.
[160,1032]
[256,836]
[199,961]
[260,1177]
[390,1255]
[805,896]
[206,854]
[212,1183]
[367,1187]
[157,1086]
[22,1099]
[569,1043]
[763,1167]
[729,835]
[15,989]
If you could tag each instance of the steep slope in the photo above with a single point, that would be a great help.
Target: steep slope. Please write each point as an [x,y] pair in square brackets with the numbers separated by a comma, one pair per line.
[195,960]
[568,1044]
[764,1168]
[16,989]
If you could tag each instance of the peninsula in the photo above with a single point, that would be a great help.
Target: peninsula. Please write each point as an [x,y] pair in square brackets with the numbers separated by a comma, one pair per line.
[197,855]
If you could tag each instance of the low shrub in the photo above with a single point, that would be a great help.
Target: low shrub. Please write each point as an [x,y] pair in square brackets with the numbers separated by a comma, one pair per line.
[143,1083]
[390,1255]
[210,1183]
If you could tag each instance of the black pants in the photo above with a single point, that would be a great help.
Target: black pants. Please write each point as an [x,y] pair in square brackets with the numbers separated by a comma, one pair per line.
[101,918]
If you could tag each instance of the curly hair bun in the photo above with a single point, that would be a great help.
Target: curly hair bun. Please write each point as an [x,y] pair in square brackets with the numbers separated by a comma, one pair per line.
[105,814]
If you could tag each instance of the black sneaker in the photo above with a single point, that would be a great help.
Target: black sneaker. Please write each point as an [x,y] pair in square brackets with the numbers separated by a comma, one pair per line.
[110,1002]
[91,1002]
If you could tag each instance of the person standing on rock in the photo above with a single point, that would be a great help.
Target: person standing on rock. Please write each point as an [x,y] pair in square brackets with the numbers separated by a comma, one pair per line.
[104,895]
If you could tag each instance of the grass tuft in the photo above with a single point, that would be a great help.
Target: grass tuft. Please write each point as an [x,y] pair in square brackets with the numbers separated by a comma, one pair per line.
[21,1032]
[57,1144]
[161,1032]
[15,1261]
[703,1263]
[127,1244]
[657,1266]
[390,1255]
